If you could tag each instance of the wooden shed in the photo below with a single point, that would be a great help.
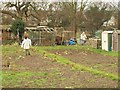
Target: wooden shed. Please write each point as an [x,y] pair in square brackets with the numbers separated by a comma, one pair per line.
[95,42]
[67,35]
[5,33]
[116,40]
[42,36]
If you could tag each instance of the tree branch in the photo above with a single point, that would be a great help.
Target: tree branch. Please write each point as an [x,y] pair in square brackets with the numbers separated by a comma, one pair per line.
[9,13]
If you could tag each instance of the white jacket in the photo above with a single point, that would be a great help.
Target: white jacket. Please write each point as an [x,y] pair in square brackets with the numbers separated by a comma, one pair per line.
[26,43]
[83,36]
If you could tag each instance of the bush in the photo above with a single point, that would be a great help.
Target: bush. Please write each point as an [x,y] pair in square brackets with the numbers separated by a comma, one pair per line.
[10,42]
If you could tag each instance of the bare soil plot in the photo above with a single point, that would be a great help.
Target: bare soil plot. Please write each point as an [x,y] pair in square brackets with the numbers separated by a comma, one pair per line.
[49,74]
[91,59]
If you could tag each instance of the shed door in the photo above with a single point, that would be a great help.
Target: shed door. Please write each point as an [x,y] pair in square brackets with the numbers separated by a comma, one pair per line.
[105,41]
[110,41]
[115,42]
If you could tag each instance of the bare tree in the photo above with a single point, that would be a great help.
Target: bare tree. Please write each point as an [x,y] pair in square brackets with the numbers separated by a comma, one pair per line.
[20,9]
[116,14]
[68,14]
[96,15]
[28,11]
[39,11]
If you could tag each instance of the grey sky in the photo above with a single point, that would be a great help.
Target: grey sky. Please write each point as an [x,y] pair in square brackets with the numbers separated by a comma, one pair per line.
[58,0]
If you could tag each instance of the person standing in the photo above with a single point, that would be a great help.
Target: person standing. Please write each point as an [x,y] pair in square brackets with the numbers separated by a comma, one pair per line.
[83,38]
[26,43]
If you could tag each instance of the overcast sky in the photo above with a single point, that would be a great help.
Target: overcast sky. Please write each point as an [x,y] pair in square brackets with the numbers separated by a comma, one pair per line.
[57,0]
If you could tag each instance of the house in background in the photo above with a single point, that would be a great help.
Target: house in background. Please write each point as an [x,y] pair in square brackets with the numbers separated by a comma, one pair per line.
[111,23]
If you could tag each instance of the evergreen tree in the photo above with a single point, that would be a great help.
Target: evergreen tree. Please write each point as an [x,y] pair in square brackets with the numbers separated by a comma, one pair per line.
[18,28]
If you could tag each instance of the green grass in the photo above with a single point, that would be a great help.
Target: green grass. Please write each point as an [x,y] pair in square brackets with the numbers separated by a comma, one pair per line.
[109,53]
[16,79]
[87,48]
[12,49]
[0,79]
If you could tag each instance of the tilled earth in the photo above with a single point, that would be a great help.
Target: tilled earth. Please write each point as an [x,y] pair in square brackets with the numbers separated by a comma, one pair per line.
[58,75]
[90,59]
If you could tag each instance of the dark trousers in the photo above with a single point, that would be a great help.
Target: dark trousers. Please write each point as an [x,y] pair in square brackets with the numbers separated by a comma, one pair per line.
[27,52]
[82,42]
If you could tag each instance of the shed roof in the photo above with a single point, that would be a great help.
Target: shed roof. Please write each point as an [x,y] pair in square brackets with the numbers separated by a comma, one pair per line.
[41,28]
[68,31]
[31,28]
[107,32]
[5,27]
[45,28]
[117,31]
